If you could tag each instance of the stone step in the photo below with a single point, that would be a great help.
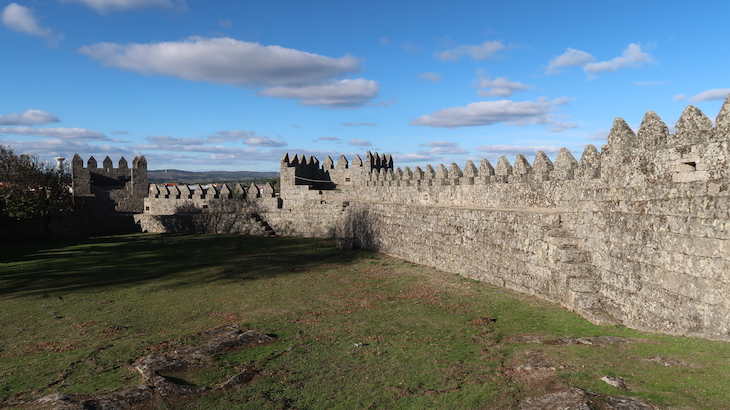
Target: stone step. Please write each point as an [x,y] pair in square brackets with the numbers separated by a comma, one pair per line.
[578,269]
[562,241]
[581,301]
[571,255]
[583,284]
[599,317]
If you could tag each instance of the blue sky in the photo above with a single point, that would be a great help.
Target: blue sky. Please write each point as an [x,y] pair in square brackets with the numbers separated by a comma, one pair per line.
[233,85]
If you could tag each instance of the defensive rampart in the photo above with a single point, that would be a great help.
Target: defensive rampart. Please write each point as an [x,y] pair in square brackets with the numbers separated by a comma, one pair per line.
[110,189]
[637,233]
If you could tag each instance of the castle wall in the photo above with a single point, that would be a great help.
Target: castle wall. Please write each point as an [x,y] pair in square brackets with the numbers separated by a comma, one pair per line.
[637,233]
[108,188]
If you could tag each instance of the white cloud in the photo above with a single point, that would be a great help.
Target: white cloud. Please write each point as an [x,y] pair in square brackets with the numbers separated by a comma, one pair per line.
[488,49]
[562,100]
[498,87]
[338,94]
[430,76]
[61,133]
[487,113]
[498,150]
[599,135]
[21,19]
[225,23]
[247,137]
[631,57]
[360,143]
[104,6]
[224,60]
[571,58]
[417,157]
[562,126]
[30,117]
[384,40]
[327,139]
[197,148]
[411,47]
[282,72]
[714,94]
[167,140]
[387,103]
[443,148]
[52,147]
[679,97]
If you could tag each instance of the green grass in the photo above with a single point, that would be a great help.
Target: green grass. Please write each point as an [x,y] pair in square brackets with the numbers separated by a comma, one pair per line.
[354,329]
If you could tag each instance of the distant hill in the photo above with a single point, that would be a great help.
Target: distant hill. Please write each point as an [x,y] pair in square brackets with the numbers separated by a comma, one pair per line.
[189,177]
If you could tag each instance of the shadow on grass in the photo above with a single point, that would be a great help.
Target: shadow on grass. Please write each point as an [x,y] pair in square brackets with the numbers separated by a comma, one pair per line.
[112,261]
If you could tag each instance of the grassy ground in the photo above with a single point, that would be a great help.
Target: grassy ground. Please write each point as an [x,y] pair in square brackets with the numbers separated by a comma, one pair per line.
[354,329]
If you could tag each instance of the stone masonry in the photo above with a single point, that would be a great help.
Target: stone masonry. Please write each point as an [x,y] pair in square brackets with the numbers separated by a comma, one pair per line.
[637,233]
[109,189]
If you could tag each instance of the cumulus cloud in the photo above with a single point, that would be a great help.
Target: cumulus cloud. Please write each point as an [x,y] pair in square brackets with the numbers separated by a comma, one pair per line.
[281,72]
[571,58]
[414,157]
[61,133]
[443,148]
[30,117]
[411,47]
[104,6]
[197,148]
[498,87]
[487,49]
[247,137]
[360,143]
[498,150]
[337,94]
[168,140]
[714,94]
[224,60]
[52,147]
[430,76]
[387,103]
[599,135]
[631,57]
[562,100]
[21,19]
[562,126]
[489,112]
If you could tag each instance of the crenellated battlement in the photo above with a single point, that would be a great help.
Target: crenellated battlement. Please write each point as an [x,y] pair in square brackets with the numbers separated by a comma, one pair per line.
[693,128]
[120,189]
[637,232]
[169,199]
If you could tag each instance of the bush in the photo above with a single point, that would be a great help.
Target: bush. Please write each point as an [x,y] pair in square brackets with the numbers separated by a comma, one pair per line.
[29,187]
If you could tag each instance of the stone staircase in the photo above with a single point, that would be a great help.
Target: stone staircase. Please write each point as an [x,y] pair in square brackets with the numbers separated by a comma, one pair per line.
[582,280]
[268,230]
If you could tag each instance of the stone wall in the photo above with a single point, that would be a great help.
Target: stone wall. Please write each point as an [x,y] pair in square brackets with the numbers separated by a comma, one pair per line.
[110,189]
[66,226]
[637,233]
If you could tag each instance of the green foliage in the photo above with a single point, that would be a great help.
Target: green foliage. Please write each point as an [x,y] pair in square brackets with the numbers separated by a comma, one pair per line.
[30,188]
